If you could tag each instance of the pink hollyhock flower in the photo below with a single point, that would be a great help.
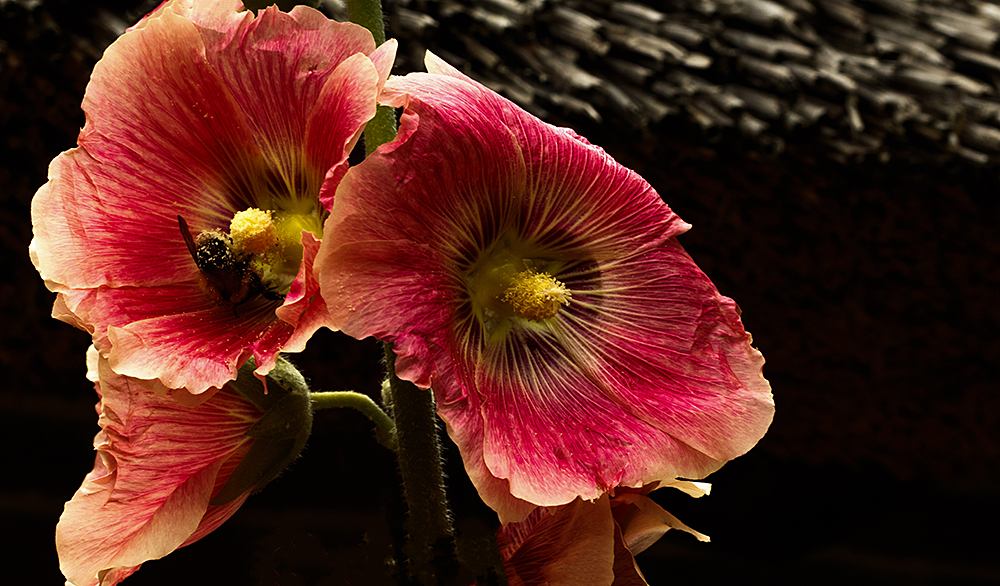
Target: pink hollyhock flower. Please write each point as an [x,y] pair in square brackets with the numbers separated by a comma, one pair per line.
[167,475]
[181,231]
[586,543]
[538,286]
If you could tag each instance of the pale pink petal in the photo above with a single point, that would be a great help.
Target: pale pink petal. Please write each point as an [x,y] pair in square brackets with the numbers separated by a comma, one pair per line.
[158,465]
[439,66]
[343,107]
[571,545]
[116,224]
[494,491]
[276,67]
[215,516]
[553,445]
[173,334]
[220,15]
[387,239]
[384,57]
[630,435]
[643,521]
[304,308]
[692,489]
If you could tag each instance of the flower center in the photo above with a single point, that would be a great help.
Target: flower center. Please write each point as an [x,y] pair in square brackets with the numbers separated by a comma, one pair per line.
[273,242]
[512,283]
[253,231]
[260,255]
[536,296]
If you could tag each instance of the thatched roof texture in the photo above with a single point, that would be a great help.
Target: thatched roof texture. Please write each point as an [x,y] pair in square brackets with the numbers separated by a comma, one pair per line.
[851,79]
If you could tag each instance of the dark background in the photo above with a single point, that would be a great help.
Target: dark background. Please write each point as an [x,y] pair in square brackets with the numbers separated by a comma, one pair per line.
[870,288]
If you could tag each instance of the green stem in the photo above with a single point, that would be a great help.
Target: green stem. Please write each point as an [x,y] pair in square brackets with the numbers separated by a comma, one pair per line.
[385,431]
[431,548]
[368,13]
[382,128]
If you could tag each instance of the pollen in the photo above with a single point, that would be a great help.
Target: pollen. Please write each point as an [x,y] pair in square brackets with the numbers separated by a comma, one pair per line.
[536,296]
[253,231]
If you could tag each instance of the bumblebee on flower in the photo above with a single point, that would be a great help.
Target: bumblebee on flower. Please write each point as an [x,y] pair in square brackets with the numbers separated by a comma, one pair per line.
[180,232]
[239,265]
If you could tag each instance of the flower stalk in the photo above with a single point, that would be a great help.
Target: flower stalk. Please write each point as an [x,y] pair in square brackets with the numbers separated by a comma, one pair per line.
[431,546]
[385,431]
[382,128]
[431,549]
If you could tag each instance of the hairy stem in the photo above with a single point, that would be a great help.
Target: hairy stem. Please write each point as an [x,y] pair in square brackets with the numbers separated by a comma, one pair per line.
[384,426]
[382,128]
[431,547]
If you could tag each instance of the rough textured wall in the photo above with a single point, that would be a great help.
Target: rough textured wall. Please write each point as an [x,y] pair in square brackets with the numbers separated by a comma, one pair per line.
[882,79]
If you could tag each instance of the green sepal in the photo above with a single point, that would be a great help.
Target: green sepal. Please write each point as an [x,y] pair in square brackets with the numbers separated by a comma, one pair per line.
[285,419]
[279,435]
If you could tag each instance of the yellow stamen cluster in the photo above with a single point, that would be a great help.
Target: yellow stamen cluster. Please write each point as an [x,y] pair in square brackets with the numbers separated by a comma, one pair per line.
[536,296]
[253,231]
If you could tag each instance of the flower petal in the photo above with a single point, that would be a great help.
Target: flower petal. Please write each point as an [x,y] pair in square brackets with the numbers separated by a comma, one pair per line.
[304,308]
[627,572]
[149,152]
[643,521]
[618,426]
[158,465]
[199,111]
[276,67]
[172,334]
[339,118]
[647,375]
[553,445]
[571,545]
[383,57]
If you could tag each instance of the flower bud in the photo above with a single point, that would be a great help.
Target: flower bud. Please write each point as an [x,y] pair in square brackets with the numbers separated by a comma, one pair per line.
[169,472]
[279,435]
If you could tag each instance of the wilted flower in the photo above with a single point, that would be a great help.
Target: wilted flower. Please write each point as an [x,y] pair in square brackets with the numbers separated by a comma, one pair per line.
[538,286]
[166,475]
[587,543]
[181,231]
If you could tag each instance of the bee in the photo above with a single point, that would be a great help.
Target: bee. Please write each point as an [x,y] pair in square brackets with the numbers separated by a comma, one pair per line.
[226,276]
